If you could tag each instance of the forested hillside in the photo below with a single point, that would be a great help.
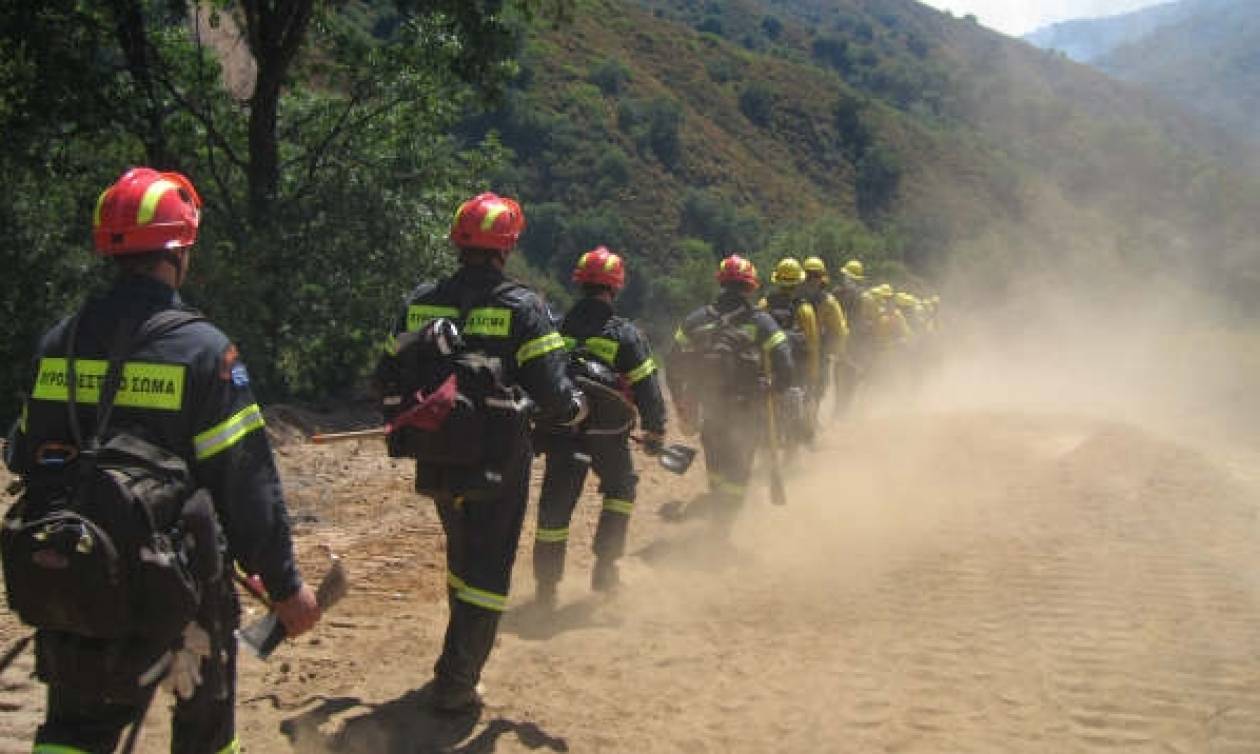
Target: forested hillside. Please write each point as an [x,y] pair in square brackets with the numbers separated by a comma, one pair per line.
[672,130]
[677,130]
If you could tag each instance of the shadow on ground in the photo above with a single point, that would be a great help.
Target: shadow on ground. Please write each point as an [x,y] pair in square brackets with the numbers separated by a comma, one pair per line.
[406,725]
[535,621]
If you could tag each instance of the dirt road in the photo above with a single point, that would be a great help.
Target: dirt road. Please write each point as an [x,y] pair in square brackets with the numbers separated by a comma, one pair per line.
[954,582]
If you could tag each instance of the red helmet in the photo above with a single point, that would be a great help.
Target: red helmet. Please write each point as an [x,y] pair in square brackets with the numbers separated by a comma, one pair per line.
[736,269]
[488,221]
[600,266]
[146,211]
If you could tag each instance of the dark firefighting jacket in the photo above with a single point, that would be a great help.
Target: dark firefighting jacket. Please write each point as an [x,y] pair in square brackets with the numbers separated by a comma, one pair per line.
[684,376]
[592,326]
[503,320]
[185,390]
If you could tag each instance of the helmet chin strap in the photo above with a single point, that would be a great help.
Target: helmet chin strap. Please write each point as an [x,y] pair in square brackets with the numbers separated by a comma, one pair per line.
[178,259]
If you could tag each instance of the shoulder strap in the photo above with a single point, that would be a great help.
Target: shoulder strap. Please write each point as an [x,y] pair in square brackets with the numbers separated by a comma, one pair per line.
[730,317]
[72,381]
[125,343]
[470,299]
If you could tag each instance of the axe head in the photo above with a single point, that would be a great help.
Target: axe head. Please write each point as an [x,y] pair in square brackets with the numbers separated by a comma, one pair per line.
[677,458]
[265,634]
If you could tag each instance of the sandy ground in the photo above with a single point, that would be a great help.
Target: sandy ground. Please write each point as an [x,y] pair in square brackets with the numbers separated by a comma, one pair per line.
[941,581]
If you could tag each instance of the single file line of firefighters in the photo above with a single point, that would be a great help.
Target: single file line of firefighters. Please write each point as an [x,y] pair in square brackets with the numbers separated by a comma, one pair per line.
[477,379]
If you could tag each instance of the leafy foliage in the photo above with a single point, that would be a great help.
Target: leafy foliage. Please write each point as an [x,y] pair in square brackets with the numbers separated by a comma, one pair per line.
[305,252]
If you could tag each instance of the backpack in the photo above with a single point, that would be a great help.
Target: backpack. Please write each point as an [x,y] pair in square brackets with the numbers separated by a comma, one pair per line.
[107,553]
[729,358]
[463,447]
[783,309]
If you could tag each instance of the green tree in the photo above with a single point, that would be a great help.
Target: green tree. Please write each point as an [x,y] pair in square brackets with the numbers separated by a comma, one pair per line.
[878,182]
[756,102]
[323,204]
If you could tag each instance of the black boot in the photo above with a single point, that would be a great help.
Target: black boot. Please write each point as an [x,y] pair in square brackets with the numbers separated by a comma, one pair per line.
[548,571]
[469,639]
[605,577]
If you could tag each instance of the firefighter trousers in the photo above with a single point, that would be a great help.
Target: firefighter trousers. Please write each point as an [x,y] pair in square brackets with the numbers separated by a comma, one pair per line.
[568,461]
[481,540]
[77,721]
[730,438]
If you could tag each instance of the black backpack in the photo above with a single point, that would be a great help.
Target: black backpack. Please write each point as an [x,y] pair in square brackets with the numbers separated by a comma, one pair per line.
[728,356]
[108,555]
[468,454]
[784,310]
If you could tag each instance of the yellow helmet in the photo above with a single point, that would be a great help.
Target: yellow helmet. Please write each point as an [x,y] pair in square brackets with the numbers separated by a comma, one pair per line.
[815,266]
[788,272]
[906,300]
[854,269]
[884,291]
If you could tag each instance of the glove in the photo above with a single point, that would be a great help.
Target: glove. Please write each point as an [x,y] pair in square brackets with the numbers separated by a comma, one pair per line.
[184,675]
[653,443]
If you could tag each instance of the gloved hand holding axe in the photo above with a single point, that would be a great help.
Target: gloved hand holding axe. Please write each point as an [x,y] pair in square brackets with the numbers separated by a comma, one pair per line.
[265,634]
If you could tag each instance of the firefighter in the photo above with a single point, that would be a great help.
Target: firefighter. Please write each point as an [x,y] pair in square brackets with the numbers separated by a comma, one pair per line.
[592,330]
[508,323]
[891,330]
[726,356]
[189,393]
[860,311]
[890,338]
[794,313]
[912,311]
[834,324]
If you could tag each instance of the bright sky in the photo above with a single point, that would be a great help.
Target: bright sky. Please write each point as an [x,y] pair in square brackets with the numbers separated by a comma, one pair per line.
[1016,17]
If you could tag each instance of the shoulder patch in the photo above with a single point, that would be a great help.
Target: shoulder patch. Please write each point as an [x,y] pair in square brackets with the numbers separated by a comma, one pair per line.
[231,369]
[240,375]
[228,361]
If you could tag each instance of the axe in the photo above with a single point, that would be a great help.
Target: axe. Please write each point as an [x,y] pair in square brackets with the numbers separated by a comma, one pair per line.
[428,413]
[675,458]
[265,634]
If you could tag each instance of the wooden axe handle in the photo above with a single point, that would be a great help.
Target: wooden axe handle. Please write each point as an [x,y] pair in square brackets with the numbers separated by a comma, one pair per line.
[327,437]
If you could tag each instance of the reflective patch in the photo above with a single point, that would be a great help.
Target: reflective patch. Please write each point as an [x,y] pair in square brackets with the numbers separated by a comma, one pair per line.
[616,505]
[100,204]
[143,384]
[773,341]
[642,371]
[419,315]
[228,433]
[538,347]
[492,213]
[552,535]
[149,202]
[475,596]
[603,348]
[493,321]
